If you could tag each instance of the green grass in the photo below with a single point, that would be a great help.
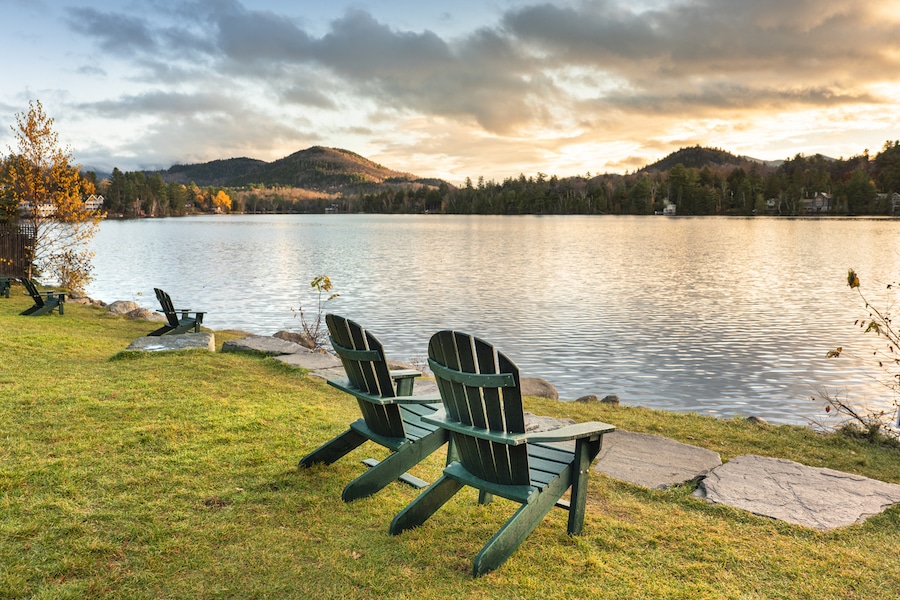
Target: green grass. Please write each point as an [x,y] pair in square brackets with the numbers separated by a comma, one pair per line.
[173,475]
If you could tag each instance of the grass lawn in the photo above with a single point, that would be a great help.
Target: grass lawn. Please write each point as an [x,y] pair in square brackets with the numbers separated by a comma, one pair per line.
[173,475]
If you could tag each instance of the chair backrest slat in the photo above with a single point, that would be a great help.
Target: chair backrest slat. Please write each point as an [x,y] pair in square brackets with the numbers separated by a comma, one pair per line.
[363,358]
[168,309]
[480,387]
[33,291]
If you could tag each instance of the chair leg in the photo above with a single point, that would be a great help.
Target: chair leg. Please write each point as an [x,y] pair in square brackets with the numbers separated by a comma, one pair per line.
[585,452]
[333,450]
[519,526]
[37,311]
[392,467]
[428,502]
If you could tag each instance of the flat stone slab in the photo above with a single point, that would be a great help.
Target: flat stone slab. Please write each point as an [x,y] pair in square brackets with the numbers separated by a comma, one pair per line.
[181,341]
[652,461]
[264,344]
[535,422]
[314,361]
[809,496]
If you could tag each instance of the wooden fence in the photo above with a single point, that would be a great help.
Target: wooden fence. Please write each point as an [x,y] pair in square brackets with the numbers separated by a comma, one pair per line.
[14,240]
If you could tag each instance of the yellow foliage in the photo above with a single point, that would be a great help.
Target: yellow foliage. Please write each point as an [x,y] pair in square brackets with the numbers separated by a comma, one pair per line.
[48,191]
[222,201]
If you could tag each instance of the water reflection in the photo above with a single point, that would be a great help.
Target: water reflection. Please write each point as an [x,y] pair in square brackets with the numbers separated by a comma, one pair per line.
[720,316]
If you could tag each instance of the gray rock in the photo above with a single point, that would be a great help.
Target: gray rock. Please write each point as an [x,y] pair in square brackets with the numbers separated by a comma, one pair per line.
[425,387]
[147,315]
[313,361]
[395,365]
[757,420]
[263,344]
[122,307]
[326,374]
[535,386]
[588,398]
[183,341]
[809,496]
[541,423]
[652,461]
[297,338]
[611,399]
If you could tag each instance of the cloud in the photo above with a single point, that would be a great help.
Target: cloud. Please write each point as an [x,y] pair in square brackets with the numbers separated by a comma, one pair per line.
[116,32]
[546,74]
[803,44]
[91,71]
[164,104]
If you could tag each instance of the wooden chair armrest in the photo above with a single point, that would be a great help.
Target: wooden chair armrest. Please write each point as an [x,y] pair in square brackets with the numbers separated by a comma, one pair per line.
[441,419]
[570,432]
[405,373]
[344,386]
[434,398]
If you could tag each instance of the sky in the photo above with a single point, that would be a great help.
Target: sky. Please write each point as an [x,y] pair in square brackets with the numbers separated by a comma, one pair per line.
[454,88]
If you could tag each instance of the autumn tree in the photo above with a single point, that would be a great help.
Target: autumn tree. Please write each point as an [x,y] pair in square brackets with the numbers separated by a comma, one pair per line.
[48,191]
[222,201]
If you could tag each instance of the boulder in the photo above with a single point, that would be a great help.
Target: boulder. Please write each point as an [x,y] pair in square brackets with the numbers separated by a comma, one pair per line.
[611,399]
[297,338]
[588,398]
[541,388]
[122,307]
[83,300]
[146,314]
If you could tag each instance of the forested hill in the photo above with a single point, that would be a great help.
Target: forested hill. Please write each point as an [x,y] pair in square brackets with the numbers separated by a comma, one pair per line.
[216,172]
[317,168]
[697,157]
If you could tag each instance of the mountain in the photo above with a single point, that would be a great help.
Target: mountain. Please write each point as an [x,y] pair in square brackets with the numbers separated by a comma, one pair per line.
[216,172]
[318,168]
[697,157]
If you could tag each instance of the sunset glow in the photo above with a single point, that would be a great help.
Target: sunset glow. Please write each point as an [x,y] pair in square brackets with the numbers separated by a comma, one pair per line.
[455,89]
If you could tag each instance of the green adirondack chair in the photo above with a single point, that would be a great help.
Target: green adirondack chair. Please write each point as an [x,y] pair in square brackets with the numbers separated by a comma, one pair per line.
[175,323]
[391,416]
[44,302]
[482,409]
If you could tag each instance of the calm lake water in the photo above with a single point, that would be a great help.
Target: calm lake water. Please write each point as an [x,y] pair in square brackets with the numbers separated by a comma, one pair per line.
[721,316]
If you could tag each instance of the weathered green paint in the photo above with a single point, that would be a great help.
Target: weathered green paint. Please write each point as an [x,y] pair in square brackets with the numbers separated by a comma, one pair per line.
[44,302]
[491,452]
[5,286]
[391,416]
[176,324]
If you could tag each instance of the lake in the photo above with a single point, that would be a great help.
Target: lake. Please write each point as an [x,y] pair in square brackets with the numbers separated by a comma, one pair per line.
[720,316]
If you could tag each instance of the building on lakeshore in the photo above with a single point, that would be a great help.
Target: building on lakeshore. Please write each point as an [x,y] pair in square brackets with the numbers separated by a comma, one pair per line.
[820,203]
[48,209]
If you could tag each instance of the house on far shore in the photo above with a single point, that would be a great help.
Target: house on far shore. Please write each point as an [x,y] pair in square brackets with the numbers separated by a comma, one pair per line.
[48,209]
[820,203]
[894,199]
[669,210]
[93,202]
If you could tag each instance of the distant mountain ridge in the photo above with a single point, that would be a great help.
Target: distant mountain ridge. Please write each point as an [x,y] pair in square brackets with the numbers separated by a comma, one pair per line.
[317,168]
[697,157]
